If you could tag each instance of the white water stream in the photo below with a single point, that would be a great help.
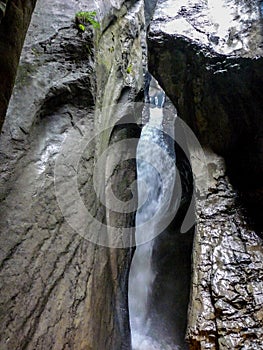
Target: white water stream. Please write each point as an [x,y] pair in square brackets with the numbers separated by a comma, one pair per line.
[156,178]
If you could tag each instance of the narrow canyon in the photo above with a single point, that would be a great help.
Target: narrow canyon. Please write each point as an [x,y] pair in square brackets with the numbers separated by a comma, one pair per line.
[131,192]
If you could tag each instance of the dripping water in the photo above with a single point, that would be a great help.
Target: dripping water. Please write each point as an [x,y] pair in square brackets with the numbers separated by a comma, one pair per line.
[156,174]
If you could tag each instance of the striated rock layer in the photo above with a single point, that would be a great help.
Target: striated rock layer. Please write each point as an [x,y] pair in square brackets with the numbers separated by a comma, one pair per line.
[59,290]
[207,56]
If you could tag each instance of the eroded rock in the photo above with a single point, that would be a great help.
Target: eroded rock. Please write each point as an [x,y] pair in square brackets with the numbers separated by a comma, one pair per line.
[58,289]
[210,66]
[215,85]
[14,21]
[227,283]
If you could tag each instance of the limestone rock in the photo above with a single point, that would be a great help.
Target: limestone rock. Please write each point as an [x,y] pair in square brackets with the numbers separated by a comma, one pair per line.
[58,289]
[14,21]
[207,56]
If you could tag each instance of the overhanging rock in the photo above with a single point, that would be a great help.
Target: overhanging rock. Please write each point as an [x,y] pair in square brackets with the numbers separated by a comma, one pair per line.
[207,56]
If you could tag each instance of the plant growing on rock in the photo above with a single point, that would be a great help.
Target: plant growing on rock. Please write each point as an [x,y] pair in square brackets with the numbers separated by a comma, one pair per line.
[84,18]
[129,69]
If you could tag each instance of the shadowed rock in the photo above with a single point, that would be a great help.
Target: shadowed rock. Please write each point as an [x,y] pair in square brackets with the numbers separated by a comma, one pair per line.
[58,289]
[14,21]
[207,56]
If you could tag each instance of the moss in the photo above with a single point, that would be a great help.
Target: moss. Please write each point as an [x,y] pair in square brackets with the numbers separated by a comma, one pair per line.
[129,69]
[84,18]
[82,27]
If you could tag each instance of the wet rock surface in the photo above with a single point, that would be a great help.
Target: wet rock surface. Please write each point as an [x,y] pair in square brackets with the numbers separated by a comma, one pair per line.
[226,302]
[207,58]
[214,86]
[2,8]
[14,21]
[172,252]
[59,290]
[224,27]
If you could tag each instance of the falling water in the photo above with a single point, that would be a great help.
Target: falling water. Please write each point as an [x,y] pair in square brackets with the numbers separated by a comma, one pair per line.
[156,179]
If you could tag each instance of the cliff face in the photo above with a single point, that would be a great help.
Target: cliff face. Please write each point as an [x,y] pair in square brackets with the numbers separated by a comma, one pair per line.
[63,282]
[207,56]
[59,290]
[213,76]
[14,21]
[2,8]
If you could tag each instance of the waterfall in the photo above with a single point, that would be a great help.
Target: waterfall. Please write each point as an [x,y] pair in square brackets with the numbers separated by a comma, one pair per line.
[156,174]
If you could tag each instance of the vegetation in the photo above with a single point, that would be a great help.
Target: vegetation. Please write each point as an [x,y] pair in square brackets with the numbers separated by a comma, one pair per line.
[81,27]
[84,18]
[129,69]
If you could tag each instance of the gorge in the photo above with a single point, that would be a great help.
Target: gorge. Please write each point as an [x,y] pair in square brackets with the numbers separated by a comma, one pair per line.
[87,139]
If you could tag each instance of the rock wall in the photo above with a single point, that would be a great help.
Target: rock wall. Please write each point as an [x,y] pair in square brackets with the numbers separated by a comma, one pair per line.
[2,8]
[119,66]
[60,290]
[14,21]
[226,300]
[212,72]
